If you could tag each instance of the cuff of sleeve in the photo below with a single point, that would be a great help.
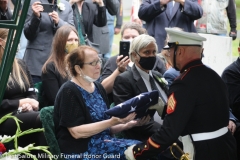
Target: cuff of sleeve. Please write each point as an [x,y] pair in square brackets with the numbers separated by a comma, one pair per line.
[232,119]
[15,103]
[158,6]
[233,30]
[35,21]
[146,149]
[101,8]
[118,26]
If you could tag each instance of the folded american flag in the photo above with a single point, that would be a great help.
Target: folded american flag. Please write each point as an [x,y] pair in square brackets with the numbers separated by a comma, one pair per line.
[138,104]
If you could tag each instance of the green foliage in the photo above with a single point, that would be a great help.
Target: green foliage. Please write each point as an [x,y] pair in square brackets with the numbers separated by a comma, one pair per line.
[236,42]
[17,149]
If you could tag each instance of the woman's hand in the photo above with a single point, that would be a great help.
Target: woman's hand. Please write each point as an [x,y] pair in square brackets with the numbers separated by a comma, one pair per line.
[26,107]
[139,122]
[143,121]
[117,120]
[24,104]
[55,17]
[99,2]
[122,63]
[37,9]
[35,104]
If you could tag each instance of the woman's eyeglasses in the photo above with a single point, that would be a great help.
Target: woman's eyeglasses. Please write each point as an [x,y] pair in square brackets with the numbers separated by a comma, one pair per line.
[94,63]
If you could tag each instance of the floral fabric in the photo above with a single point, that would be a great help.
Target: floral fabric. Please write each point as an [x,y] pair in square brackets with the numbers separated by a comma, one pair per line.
[101,145]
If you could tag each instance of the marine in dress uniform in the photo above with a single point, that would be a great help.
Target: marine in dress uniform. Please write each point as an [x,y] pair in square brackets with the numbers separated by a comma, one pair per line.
[197,107]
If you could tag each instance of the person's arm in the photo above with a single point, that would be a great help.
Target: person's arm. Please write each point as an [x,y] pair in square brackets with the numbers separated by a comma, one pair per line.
[100,18]
[109,81]
[133,123]
[231,13]
[171,128]
[122,89]
[9,104]
[135,8]
[148,10]
[232,122]
[192,9]
[33,20]
[29,98]
[88,130]
[112,6]
[169,77]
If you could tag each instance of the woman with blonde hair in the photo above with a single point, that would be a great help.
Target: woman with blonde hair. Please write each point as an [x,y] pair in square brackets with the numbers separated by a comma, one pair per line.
[20,100]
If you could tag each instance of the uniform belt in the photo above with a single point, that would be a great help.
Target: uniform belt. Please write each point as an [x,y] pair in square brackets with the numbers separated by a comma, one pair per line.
[209,135]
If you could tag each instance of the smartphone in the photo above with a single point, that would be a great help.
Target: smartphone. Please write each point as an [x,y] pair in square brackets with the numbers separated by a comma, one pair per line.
[124,48]
[47,7]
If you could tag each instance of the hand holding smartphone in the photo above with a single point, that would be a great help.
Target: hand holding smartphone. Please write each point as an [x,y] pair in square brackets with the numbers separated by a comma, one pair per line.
[47,7]
[124,48]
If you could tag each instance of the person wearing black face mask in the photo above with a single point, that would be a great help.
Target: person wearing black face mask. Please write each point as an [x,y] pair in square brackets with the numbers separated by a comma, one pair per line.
[138,79]
[147,62]
[135,81]
[196,95]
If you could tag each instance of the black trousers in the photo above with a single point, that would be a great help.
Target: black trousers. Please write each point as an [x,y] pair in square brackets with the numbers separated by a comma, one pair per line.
[237,137]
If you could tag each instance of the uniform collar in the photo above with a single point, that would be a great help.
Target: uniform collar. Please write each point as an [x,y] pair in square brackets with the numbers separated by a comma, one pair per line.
[192,63]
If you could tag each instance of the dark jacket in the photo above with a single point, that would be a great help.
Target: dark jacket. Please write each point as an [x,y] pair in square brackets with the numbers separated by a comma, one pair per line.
[70,110]
[111,65]
[101,34]
[197,103]
[13,94]
[39,33]
[157,18]
[128,85]
[51,83]
[91,14]
[231,77]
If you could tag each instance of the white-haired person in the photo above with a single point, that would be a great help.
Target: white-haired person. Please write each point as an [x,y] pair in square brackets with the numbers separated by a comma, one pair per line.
[119,64]
[197,107]
[138,79]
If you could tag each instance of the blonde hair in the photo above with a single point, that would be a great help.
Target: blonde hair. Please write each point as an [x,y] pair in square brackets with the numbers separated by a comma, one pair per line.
[140,42]
[18,74]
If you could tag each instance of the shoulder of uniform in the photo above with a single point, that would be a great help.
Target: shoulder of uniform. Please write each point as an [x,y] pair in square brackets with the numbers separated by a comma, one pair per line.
[183,74]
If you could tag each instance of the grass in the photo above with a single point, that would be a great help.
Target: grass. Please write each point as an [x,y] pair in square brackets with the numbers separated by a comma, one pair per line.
[235,44]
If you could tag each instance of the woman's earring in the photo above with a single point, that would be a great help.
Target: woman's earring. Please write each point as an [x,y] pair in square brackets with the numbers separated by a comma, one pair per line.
[80,75]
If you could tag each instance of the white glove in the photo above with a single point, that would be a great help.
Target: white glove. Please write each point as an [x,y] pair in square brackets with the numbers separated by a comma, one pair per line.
[159,106]
[129,153]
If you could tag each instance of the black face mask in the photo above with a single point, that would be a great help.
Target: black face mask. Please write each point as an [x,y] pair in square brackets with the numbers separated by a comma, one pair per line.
[147,62]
